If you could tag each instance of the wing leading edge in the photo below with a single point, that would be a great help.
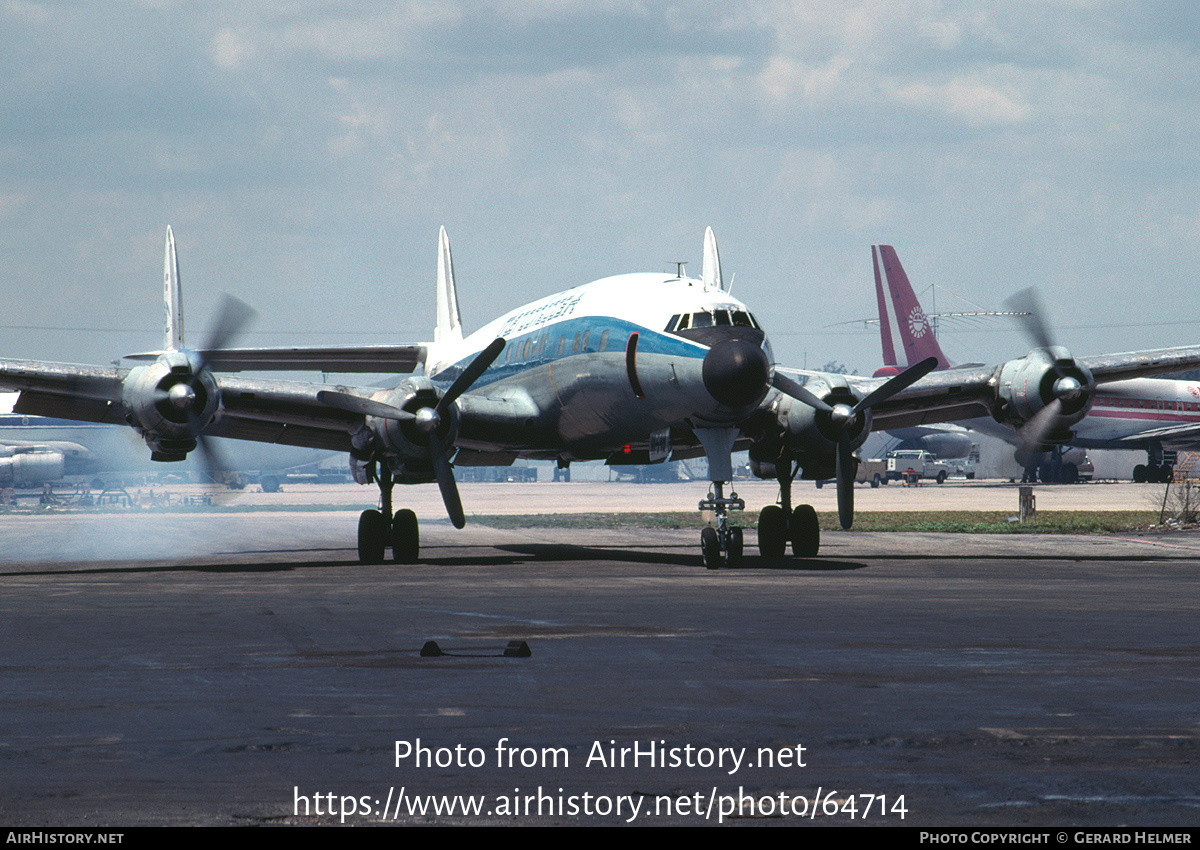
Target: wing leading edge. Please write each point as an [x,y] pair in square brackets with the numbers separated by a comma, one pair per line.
[387,359]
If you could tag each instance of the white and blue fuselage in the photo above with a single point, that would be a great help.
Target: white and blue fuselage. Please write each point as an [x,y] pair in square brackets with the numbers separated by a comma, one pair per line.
[606,366]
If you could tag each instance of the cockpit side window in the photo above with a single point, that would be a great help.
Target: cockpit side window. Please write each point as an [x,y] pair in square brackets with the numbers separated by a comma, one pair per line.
[702,320]
[671,324]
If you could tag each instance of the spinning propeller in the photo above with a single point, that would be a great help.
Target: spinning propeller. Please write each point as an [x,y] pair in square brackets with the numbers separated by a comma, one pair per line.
[843,417]
[427,420]
[1071,388]
[188,395]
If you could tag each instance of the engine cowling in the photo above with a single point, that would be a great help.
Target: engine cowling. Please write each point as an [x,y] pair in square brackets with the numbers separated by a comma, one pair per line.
[1047,392]
[170,402]
[30,468]
[809,436]
[404,443]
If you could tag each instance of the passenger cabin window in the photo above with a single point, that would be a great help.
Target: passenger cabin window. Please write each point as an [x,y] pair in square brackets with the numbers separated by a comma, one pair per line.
[603,341]
[583,345]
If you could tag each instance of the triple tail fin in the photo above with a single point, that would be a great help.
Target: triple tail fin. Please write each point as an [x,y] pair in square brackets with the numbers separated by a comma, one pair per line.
[449,323]
[916,335]
[710,271]
[172,298]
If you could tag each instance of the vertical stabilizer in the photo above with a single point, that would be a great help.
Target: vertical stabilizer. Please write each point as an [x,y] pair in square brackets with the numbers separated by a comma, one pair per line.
[710,273]
[449,323]
[885,322]
[915,331]
[172,298]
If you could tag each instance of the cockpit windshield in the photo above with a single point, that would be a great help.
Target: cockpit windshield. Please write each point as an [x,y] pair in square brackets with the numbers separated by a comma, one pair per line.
[711,319]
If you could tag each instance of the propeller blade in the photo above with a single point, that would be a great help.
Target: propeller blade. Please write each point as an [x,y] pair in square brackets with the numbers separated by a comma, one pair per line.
[214,464]
[232,317]
[471,374]
[789,387]
[446,483]
[1034,432]
[1026,302]
[437,452]
[368,407]
[902,381]
[845,483]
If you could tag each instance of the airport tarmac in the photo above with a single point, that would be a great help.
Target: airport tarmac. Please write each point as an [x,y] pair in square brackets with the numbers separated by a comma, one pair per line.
[212,668]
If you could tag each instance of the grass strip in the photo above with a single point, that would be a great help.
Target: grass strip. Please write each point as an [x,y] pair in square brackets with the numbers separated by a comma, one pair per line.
[959,522]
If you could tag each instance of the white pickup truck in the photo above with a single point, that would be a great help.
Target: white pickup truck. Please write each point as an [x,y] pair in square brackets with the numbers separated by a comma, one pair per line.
[916,462]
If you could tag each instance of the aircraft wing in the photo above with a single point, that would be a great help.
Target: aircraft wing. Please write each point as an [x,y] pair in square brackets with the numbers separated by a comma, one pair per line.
[65,390]
[1184,436]
[1141,364]
[388,359]
[975,391]
[947,396]
[286,412]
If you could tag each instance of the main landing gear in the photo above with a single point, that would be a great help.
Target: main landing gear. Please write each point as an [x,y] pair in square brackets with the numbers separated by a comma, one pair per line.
[1159,467]
[378,529]
[1148,473]
[780,524]
[721,546]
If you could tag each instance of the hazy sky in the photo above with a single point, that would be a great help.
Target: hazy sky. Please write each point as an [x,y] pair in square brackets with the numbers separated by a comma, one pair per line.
[305,154]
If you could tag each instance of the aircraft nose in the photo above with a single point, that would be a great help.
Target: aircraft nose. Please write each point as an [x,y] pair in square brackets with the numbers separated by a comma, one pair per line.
[736,372]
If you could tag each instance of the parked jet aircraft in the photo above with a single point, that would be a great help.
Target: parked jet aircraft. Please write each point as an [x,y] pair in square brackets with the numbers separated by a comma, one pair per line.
[34,462]
[1138,414]
[39,450]
[632,368]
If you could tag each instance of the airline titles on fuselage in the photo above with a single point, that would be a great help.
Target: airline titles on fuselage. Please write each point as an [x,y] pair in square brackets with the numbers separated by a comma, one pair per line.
[564,305]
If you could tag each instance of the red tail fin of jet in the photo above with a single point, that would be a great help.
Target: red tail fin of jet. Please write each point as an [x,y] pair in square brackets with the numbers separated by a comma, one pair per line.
[885,325]
[916,335]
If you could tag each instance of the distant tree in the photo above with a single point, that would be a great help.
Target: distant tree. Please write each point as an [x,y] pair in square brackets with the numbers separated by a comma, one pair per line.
[835,368]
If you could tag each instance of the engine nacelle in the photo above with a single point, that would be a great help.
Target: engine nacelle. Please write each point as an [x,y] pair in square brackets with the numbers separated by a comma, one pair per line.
[809,436]
[404,443]
[170,402]
[1029,385]
[28,468]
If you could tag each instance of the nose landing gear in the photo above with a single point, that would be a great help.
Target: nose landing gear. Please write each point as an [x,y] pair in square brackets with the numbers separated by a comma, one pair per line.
[723,545]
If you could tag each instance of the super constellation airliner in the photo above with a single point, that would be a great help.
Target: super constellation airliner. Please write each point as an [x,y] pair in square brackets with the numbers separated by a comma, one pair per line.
[634,368]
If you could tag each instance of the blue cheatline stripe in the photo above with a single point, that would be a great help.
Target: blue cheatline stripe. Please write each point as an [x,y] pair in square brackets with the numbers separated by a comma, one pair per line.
[649,342]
